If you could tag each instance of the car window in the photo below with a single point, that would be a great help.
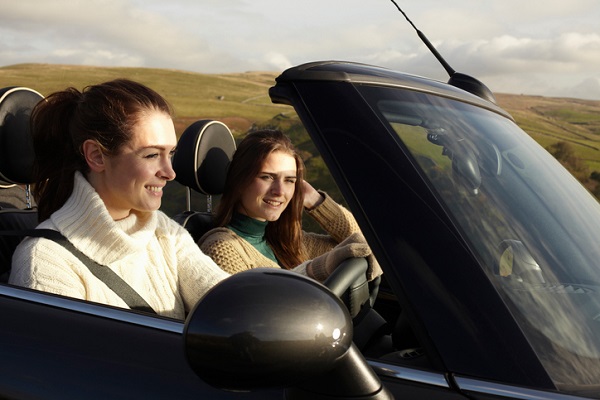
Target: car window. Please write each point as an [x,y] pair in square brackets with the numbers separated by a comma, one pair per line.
[530,223]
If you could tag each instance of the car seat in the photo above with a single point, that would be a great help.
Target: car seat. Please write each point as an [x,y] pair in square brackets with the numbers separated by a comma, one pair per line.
[204,152]
[16,164]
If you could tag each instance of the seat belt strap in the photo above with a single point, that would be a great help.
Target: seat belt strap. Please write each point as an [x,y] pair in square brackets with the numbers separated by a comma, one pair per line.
[102,272]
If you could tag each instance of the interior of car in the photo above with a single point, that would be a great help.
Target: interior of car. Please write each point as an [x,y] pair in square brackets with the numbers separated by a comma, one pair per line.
[205,149]
[16,161]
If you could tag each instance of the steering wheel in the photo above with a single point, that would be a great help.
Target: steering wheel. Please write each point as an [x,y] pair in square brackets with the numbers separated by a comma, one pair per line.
[349,282]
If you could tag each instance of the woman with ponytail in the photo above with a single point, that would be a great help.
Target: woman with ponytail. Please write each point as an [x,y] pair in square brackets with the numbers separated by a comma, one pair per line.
[102,159]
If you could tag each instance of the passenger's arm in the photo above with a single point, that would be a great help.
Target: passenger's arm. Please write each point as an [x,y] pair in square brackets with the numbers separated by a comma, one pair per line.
[312,197]
[337,221]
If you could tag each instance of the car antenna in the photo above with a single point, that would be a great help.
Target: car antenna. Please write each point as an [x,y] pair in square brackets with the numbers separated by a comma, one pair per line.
[457,79]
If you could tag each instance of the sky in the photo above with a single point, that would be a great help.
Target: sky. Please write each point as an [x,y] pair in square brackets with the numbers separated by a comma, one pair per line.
[533,47]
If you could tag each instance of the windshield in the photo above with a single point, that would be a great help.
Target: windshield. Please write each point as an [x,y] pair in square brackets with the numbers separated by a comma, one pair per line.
[535,229]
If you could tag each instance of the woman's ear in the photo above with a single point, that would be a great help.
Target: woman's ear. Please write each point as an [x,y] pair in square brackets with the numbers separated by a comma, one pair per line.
[93,155]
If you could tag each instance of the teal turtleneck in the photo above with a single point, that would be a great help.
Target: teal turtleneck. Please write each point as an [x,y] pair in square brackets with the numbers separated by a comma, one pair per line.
[253,231]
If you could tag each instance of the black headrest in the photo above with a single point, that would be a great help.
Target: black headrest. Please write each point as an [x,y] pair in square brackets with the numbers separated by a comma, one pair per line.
[16,146]
[204,152]
[13,220]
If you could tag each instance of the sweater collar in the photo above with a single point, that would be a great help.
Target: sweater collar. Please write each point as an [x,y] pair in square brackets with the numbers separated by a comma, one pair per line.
[247,226]
[86,222]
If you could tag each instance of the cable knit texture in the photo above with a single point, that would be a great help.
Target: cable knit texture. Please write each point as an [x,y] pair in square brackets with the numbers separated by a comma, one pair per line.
[151,252]
[234,254]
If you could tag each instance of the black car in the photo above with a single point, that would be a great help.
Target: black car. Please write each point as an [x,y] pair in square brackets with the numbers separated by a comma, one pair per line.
[489,247]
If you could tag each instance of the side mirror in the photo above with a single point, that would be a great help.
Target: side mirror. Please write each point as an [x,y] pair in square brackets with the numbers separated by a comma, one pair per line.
[267,328]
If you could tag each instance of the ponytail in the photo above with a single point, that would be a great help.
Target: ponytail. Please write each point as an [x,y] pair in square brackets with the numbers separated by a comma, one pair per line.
[56,160]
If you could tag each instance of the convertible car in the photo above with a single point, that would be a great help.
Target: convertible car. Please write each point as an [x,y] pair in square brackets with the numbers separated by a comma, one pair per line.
[489,247]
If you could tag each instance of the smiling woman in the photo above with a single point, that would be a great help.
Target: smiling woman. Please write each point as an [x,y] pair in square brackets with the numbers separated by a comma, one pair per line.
[259,216]
[102,192]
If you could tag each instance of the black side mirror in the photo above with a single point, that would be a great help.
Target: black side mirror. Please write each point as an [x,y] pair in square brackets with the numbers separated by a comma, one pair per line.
[267,328]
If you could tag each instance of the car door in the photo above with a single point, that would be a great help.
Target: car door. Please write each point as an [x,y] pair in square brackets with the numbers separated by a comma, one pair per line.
[53,347]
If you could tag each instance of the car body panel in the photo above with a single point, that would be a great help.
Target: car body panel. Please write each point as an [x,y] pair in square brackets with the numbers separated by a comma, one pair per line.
[58,348]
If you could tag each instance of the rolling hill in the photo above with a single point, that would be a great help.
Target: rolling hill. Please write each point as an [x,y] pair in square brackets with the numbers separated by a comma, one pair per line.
[568,128]
[240,99]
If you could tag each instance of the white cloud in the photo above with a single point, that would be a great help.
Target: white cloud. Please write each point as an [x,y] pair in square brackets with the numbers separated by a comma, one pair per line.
[587,89]
[277,61]
[535,47]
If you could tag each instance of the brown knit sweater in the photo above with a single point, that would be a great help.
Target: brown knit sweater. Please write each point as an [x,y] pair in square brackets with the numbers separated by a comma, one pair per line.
[234,254]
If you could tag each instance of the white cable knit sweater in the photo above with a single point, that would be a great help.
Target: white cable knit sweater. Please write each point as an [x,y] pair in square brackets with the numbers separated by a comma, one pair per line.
[150,251]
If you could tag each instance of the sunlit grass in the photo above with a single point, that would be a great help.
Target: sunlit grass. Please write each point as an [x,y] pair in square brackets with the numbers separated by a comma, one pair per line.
[192,95]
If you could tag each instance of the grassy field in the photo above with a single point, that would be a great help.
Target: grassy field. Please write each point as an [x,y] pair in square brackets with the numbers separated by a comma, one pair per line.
[549,120]
[241,101]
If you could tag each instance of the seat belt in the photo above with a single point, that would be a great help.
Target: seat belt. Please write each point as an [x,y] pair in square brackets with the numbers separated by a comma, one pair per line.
[102,272]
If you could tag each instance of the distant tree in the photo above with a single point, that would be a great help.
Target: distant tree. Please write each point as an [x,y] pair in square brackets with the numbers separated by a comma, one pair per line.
[565,154]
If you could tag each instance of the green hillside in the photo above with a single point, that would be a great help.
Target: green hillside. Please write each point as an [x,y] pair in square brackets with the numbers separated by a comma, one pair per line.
[239,100]
[568,128]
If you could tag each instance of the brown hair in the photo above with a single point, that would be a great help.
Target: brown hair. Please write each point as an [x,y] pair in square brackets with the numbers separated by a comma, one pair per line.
[284,235]
[106,113]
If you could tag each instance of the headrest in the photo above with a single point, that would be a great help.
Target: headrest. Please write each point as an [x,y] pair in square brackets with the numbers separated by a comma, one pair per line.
[204,152]
[16,146]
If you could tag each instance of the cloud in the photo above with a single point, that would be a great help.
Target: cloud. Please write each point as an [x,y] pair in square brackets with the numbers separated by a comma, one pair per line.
[277,61]
[513,64]
[588,89]
[102,33]
[532,47]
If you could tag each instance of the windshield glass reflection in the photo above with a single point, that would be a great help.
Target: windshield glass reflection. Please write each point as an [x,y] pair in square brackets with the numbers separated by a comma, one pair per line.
[533,226]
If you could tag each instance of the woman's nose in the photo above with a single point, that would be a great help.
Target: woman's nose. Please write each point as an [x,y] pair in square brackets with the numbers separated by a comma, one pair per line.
[167,172]
[276,187]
